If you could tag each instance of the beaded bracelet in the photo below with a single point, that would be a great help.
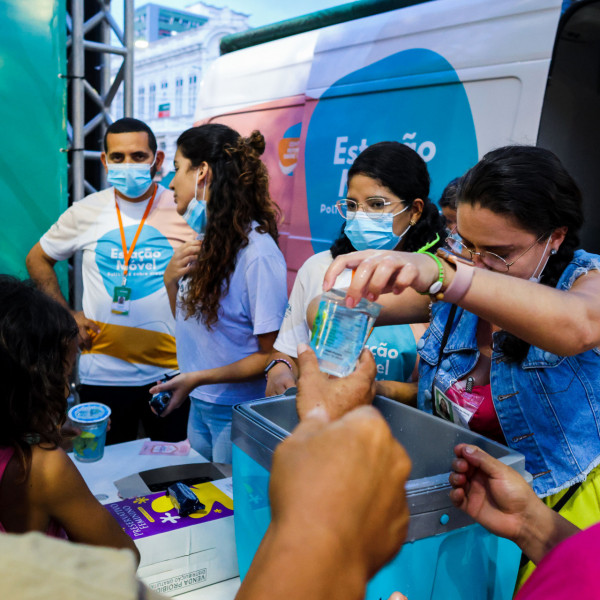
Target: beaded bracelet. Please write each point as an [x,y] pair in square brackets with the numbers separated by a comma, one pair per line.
[275,362]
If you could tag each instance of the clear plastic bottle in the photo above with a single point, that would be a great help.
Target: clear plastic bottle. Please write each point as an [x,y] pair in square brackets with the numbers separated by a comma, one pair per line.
[339,333]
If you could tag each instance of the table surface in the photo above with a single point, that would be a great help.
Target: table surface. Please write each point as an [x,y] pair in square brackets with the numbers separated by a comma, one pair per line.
[121,460]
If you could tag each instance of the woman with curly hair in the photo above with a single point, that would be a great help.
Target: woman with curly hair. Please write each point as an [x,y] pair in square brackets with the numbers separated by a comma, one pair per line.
[40,487]
[387,206]
[227,290]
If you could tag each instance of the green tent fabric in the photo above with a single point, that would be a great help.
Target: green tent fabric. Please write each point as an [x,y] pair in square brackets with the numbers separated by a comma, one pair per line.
[315,20]
[33,170]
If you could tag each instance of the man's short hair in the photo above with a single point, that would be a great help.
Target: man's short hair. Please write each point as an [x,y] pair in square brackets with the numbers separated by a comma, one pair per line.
[129,125]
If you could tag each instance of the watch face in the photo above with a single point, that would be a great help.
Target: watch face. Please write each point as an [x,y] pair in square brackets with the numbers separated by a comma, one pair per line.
[452,257]
[270,366]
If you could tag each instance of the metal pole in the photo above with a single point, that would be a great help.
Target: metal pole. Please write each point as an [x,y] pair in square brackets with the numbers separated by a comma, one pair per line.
[105,79]
[78,119]
[129,45]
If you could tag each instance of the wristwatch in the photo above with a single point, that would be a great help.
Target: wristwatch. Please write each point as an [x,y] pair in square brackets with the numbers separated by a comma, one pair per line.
[274,362]
[463,275]
[453,258]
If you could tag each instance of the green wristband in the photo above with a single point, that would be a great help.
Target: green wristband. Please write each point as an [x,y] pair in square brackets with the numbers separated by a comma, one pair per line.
[437,285]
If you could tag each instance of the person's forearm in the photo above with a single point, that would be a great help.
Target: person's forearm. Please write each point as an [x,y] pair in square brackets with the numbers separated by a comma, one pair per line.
[534,312]
[404,308]
[41,271]
[290,359]
[542,531]
[248,368]
[297,564]
[400,391]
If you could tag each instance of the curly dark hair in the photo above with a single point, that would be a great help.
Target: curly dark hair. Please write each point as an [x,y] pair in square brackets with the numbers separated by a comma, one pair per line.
[36,336]
[239,195]
[401,170]
[532,186]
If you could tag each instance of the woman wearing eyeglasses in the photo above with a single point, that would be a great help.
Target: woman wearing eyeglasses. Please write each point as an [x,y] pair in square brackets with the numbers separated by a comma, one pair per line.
[510,358]
[387,208]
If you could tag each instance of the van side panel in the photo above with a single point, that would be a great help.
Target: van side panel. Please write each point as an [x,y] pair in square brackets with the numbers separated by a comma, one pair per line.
[451,78]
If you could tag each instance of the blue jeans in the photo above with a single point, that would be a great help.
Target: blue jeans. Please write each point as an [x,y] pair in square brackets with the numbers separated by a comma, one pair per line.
[209,430]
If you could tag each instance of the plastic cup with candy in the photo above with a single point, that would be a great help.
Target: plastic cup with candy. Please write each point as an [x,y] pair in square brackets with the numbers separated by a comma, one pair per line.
[92,419]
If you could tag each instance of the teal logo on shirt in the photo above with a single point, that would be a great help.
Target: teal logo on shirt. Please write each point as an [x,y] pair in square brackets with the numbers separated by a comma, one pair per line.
[147,264]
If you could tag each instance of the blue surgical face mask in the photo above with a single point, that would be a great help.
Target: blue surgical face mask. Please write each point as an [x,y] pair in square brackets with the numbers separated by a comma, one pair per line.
[195,213]
[374,232]
[132,180]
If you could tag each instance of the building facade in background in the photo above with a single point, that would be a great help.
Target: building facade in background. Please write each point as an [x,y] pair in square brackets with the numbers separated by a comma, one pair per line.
[173,50]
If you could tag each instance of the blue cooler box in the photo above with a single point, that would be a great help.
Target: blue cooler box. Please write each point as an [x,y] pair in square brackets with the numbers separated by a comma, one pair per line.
[446,555]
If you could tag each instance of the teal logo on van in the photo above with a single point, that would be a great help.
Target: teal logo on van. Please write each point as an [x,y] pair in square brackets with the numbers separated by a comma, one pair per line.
[414,97]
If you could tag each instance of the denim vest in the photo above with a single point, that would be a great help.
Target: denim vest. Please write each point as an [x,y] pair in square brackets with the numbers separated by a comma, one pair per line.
[548,405]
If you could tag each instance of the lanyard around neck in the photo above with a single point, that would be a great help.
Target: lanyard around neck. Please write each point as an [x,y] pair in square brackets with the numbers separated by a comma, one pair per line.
[127,253]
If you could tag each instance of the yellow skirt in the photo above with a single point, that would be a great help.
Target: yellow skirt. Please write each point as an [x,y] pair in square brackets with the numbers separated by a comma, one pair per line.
[582,509]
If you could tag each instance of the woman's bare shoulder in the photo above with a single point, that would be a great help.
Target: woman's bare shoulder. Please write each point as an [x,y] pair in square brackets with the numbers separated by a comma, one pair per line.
[51,468]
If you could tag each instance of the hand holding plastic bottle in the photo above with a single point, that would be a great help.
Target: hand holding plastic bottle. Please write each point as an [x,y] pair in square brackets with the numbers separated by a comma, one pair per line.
[336,396]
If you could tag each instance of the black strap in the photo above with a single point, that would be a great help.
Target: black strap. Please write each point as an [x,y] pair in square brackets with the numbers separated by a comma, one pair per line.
[446,333]
[567,496]
[443,343]
[556,508]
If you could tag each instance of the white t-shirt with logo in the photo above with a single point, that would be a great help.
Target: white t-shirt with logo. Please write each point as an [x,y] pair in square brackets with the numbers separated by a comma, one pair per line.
[393,346]
[254,305]
[138,348]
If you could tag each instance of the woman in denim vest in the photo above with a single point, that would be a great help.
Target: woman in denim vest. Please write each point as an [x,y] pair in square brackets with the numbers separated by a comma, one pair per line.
[512,349]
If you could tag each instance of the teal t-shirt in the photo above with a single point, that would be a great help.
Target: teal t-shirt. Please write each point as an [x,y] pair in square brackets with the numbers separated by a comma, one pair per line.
[395,352]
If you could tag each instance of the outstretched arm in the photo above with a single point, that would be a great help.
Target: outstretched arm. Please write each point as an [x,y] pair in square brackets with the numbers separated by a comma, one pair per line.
[498,498]
[530,311]
[246,369]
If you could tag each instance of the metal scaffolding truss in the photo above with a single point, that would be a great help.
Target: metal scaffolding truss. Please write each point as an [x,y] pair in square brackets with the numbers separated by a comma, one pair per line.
[85,99]
[82,91]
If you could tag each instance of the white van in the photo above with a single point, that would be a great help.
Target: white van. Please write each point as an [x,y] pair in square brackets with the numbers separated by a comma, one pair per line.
[451,78]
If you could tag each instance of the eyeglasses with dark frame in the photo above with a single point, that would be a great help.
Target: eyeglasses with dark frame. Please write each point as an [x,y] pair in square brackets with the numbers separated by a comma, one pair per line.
[373,207]
[489,259]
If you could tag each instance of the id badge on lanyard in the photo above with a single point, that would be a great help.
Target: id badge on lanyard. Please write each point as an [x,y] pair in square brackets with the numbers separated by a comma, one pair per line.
[121,301]
[450,410]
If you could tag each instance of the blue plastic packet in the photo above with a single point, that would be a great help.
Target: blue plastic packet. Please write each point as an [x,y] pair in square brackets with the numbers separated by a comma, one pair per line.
[184,499]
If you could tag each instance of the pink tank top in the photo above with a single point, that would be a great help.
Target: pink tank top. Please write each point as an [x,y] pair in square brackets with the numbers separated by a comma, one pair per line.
[54,529]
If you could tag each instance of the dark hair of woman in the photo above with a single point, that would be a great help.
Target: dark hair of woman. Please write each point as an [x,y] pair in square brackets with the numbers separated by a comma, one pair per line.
[448,197]
[36,337]
[239,195]
[401,170]
[532,186]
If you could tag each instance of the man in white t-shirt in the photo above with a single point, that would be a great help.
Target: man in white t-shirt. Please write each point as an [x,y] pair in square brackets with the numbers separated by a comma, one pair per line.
[127,233]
